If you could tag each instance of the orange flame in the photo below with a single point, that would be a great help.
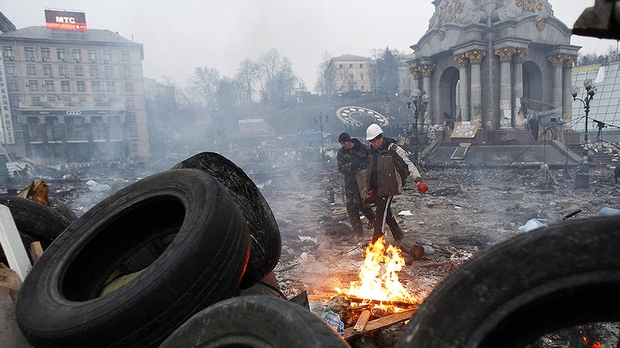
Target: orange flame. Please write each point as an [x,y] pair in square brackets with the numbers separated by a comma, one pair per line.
[379,275]
[589,342]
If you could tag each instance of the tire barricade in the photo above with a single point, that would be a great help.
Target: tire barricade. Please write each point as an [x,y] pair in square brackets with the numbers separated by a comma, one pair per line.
[147,258]
[178,259]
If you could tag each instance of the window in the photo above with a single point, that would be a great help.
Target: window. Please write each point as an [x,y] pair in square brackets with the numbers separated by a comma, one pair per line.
[131,117]
[350,66]
[67,100]
[126,71]
[35,101]
[63,70]
[31,69]
[12,86]
[29,53]
[125,56]
[47,70]
[112,100]
[94,71]
[130,102]
[78,70]
[133,132]
[61,54]
[107,56]
[134,148]
[109,71]
[75,127]
[110,86]
[83,101]
[97,128]
[10,70]
[361,66]
[8,52]
[51,99]
[92,56]
[115,128]
[98,101]
[64,86]
[55,127]
[45,53]
[33,85]
[77,54]
[96,86]
[49,85]
[34,126]
[14,101]
[80,86]
[128,87]
[361,76]
[340,66]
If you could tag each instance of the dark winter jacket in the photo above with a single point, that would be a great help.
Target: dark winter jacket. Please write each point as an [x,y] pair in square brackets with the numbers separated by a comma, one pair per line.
[383,176]
[351,161]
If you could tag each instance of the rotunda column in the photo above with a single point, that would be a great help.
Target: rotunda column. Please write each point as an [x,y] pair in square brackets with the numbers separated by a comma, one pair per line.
[427,71]
[463,86]
[475,58]
[505,87]
[519,58]
[557,60]
[567,97]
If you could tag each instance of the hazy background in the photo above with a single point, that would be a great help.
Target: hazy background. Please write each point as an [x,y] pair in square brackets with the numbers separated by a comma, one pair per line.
[181,35]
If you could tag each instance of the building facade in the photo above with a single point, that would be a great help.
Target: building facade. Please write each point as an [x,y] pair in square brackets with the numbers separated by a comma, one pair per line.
[485,61]
[352,73]
[73,96]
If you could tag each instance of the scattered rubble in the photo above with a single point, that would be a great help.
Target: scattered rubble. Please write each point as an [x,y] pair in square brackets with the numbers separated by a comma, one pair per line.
[466,210]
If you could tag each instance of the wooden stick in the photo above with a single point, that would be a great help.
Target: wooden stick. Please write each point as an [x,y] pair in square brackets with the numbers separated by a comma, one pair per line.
[361,322]
[386,303]
[35,251]
[377,324]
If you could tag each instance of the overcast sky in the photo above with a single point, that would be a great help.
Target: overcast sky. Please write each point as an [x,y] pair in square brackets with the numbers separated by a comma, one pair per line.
[181,35]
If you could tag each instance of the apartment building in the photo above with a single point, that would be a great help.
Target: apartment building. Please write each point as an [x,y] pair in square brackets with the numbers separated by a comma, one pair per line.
[352,73]
[72,95]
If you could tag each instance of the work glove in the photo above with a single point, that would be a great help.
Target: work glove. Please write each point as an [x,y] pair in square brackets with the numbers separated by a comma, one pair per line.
[422,187]
[371,195]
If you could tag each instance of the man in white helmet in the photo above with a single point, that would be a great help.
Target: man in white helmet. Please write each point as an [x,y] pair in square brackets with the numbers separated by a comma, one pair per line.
[388,167]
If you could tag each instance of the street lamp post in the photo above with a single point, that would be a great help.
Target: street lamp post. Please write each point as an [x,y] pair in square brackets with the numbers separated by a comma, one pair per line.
[319,120]
[420,102]
[590,92]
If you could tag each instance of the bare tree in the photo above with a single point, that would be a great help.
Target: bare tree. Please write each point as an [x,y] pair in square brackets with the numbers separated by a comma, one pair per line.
[325,76]
[227,93]
[246,77]
[276,77]
[203,86]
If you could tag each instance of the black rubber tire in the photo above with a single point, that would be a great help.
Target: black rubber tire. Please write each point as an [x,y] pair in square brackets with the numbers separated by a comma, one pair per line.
[206,254]
[62,208]
[34,221]
[547,279]
[263,289]
[266,243]
[255,321]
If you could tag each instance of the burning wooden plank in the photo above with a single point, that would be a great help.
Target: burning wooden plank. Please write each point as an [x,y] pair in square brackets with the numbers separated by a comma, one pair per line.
[380,323]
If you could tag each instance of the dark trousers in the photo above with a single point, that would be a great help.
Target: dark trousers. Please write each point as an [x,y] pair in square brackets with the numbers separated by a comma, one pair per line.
[354,206]
[383,215]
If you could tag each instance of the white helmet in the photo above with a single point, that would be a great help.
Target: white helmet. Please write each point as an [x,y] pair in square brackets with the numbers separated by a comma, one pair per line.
[373,131]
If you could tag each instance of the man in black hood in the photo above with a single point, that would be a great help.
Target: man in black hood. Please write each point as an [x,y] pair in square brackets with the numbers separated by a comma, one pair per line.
[352,157]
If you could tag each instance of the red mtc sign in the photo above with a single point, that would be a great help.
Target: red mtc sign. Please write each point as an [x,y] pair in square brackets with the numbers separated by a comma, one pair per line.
[62,20]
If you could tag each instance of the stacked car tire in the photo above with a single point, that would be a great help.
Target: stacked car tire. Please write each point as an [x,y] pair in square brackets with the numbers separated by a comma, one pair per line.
[177,242]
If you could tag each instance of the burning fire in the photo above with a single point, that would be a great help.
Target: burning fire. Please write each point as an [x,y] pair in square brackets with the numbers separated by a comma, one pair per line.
[379,275]
[589,342]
